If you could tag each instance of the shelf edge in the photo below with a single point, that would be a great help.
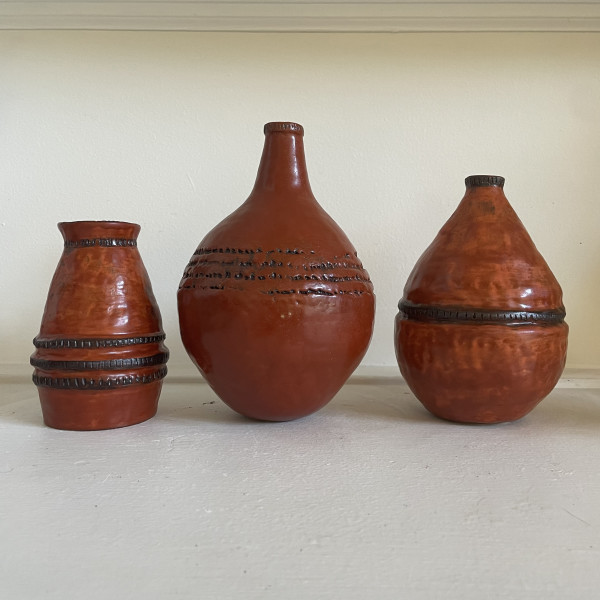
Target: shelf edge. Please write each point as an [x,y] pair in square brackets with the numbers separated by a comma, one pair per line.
[301,16]
[573,377]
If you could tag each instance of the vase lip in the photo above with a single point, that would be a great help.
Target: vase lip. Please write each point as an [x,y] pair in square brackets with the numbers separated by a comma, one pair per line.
[77,230]
[484,181]
[283,127]
[102,222]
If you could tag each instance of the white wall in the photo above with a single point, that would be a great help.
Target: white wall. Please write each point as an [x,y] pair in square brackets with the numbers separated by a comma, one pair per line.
[165,129]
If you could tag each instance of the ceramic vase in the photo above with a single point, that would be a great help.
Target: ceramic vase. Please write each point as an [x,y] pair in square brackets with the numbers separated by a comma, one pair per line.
[275,308]
[480,335]
[99,356]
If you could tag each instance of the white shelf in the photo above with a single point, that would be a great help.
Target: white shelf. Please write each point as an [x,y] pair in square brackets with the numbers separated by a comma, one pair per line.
[369,498]
[301,16]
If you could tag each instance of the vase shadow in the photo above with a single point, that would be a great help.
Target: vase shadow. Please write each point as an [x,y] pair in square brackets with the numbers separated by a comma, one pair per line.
[576,410]
[194,401]
[389,400]
[20,403]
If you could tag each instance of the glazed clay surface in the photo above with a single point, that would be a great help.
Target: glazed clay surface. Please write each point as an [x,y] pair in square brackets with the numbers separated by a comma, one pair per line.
[480,336]
[275,307]
[100,357]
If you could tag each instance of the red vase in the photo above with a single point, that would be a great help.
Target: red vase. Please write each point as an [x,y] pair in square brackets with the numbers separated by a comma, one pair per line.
[100,357]
[480,336]
[275,308]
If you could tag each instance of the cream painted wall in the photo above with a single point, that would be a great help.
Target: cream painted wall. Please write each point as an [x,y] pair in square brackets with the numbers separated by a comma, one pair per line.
[165,129]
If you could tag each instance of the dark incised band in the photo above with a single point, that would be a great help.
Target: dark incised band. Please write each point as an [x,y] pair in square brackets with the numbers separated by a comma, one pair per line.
[98,342]
[283,126]
[99,365]
[102,383]
[484,181]
[104,242]
[419,312]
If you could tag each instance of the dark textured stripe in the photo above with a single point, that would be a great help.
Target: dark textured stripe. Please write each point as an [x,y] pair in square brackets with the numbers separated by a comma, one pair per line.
[251,251]
[484,181]
[99,365]
[469,315]
[307,292]
[103,383]
[98,342]
[104,242]
[285,127]
[316,292]
[327,266]
[204,251]
[275,275]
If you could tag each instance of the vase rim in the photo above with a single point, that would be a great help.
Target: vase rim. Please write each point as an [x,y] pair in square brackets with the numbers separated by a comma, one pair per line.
[484,181]
[78,230]
[283,127]
[102,222]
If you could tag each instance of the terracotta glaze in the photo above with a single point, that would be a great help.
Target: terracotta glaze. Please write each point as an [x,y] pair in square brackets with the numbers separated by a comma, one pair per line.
[275,308]
[100,356]
[480,336]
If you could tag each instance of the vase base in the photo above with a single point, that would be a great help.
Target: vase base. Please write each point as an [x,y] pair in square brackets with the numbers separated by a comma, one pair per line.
[93,410]
[476,420]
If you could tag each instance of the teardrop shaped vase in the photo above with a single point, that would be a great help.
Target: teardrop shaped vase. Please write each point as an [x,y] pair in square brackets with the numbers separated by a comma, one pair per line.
[480,336]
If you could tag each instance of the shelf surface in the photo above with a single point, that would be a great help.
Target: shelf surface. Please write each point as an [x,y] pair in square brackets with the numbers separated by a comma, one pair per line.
[369,498]
[301,15]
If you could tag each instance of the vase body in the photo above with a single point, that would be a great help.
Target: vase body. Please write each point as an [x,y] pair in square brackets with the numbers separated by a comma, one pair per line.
[480,336]
[275,308]
[100,356]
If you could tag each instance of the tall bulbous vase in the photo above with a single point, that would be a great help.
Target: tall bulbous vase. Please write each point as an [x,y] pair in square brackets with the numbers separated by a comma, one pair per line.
[100,357]
[480,336]
[275,308]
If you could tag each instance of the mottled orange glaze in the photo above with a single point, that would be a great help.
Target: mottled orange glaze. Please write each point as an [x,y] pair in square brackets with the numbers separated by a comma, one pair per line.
[480,373]
[100,356]
[108,409]
[483,257]
[480,336]
[275,308]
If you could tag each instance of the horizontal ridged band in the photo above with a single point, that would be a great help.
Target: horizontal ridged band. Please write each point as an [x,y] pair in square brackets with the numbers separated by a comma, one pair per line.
[421,312]
[101,242]
[283,126]
[98,342]
[101,383]
[484,181]
[99,365]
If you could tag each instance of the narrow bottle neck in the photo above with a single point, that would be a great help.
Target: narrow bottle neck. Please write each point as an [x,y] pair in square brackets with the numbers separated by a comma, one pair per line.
[486,188]
[282,166]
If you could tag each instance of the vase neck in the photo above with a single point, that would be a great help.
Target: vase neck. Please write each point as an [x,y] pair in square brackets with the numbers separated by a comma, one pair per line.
[110,231]
[483,191]
[283,166]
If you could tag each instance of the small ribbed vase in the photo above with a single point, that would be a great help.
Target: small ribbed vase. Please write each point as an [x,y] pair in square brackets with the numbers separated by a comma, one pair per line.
[480,336]
[275,308]
[99,358]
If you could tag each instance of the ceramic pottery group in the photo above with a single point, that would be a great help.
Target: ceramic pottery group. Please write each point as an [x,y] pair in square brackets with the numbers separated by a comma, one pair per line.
[276,311]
